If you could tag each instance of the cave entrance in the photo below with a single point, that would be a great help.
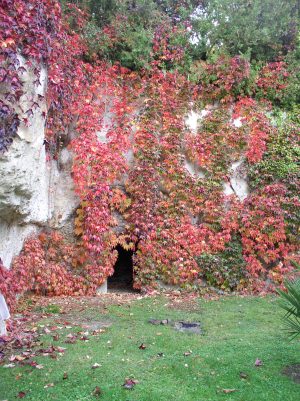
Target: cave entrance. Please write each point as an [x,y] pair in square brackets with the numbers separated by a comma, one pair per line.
[122,279]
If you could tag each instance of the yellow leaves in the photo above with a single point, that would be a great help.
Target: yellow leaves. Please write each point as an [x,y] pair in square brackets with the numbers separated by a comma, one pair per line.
[79,259]
[78,230]
[78,222]
[125,242]
[120,201]
[128,246]
[127,202]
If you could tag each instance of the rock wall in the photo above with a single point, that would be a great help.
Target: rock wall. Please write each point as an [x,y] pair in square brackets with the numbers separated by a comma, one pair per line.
[237,184]
[37,192]
[34,192]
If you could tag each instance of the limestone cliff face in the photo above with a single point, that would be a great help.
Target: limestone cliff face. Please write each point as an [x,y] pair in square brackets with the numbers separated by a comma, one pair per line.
[37,191]
[34,192]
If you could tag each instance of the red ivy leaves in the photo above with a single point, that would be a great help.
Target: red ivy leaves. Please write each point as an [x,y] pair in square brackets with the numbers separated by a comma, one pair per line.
[263,229]
[258,127]
[169,217]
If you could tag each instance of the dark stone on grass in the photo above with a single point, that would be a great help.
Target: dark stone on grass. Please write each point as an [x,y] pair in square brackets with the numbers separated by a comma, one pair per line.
[184,327]
[188,327]
[293,372]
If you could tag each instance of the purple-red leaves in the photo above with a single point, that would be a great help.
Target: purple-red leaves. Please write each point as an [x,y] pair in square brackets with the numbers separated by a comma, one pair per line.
[130,383]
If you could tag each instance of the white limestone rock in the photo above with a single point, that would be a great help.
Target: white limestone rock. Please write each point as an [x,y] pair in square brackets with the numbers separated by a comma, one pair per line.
[193,119]
[24,183]
[12,237]
[34,192]
[237,184]
[23,168]
[62,198]
[4,315]
[193,169]
[102,289]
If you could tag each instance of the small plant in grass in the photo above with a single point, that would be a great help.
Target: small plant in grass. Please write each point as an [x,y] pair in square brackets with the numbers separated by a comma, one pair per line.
[291,303]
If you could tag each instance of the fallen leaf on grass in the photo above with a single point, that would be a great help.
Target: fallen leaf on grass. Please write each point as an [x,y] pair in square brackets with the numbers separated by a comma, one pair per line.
[228,390]
[72,340]
[130,383]
[46,351]
[32,363]
[96,365]
[97,391]
[243,375]
[258,362]
[188,353]
[39,367]
[142,346]
[49,385]
[13,358]
[21,394]
[9,365]
[98,331]
[65,376]
[27,354]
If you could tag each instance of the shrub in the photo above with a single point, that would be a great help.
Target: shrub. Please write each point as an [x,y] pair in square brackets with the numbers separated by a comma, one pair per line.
[290,301]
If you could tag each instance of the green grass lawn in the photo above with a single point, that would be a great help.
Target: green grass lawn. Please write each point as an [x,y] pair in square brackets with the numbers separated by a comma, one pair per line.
[237,331]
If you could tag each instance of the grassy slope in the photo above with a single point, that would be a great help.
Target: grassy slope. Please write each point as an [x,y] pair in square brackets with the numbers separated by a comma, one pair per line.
[237,331]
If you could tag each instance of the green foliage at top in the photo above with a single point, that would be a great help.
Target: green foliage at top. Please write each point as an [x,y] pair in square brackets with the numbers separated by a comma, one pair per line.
[291,304]
[260,30]
[123,31]
[101,11]
[263,30]
[292,93]
[132,47]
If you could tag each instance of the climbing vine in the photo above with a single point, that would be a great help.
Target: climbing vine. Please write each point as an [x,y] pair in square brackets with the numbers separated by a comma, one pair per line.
[131,145]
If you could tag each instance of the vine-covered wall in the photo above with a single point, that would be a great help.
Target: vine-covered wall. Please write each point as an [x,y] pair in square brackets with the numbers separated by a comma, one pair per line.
[131,145]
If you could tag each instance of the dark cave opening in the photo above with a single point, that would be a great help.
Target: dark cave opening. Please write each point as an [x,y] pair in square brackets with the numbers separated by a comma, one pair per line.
[122,279]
